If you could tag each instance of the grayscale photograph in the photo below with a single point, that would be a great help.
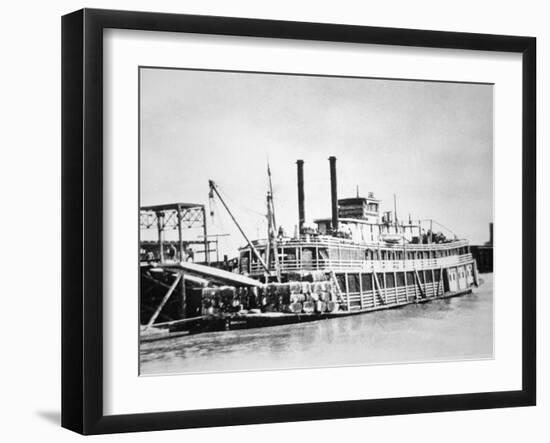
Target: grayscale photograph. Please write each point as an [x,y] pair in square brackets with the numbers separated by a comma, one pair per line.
[302,221]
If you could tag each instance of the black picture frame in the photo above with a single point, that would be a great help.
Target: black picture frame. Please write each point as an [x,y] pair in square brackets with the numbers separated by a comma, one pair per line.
[82,220]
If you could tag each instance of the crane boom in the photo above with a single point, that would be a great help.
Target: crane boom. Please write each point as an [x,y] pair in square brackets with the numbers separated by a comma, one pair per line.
[254,250]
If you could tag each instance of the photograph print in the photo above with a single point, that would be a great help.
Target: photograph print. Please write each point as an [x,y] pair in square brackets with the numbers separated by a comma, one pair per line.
[304,221]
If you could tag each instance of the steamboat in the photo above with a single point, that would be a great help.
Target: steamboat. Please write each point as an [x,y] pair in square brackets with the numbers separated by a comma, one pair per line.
[355,261]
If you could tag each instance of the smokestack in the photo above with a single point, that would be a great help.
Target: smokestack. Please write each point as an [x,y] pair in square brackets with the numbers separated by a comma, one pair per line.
[491,234]
[333,192]
[301,199]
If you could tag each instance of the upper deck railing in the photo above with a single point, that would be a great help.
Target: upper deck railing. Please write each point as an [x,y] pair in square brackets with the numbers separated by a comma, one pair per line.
[366,265]
[328,241]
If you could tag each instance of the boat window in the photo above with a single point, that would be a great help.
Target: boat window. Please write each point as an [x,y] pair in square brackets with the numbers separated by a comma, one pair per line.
[366,281]
[353,282]
[289,254]
[323,254]
[341,279]
[421,276]
[429,277]
[244,263]
[400,279]
[308,256]
[380,278]
[390,280]
[410,278]
[437,275]
[262,254]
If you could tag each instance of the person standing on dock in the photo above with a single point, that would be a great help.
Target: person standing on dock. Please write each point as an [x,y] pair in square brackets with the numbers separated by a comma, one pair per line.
[190,254]
[172,252]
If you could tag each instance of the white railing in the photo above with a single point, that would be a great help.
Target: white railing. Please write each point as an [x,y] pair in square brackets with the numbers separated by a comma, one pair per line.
[328,241]
[366,265]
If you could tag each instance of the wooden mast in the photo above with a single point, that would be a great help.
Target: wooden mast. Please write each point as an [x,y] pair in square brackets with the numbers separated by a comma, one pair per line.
[272,227]
[272,236]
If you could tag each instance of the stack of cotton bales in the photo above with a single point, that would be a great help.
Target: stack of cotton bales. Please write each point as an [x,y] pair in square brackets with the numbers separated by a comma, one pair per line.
[292,297]
[307,297]
[228,299]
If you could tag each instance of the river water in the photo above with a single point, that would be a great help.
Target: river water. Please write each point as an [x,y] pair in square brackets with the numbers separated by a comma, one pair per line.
[457,328]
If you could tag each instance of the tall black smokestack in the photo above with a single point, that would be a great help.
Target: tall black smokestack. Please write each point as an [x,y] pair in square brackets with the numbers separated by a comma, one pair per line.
[333,192]
[301,199]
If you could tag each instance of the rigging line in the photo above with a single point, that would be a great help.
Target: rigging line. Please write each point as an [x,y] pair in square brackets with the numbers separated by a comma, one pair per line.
[252,191]
[238,205]
[444,227]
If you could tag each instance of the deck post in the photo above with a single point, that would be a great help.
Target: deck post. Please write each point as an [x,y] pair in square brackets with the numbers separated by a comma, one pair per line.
[183,296]
[160,229]
[180,234]
[361,290]
[406,284]
[422,291]
[377,284]
[395,287]
[205,233]
[439,282]
[385,288]
[347,291]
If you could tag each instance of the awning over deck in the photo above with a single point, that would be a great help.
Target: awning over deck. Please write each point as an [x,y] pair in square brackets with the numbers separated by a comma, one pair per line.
[211,273]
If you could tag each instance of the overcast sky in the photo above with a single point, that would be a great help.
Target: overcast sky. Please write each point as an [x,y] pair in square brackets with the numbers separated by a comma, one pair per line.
[429,143]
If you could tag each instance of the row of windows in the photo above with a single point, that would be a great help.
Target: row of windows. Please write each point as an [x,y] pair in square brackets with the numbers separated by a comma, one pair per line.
[413,255]
[308,254]
[386,280]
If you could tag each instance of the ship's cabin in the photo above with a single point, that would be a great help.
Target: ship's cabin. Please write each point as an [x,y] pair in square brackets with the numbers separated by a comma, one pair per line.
[326,252]
[362,236]
[362,231]
[359,220]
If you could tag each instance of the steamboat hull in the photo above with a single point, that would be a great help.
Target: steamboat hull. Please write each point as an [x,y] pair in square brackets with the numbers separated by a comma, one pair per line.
[352,292]
[232,322]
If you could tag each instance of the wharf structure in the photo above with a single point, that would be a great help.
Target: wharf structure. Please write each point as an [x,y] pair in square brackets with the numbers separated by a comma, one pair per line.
[483,254]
